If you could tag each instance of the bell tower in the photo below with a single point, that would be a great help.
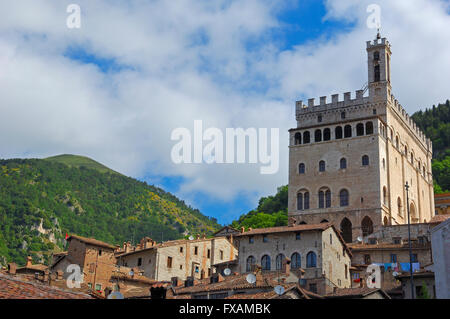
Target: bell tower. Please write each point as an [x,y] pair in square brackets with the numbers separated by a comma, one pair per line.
[379,68]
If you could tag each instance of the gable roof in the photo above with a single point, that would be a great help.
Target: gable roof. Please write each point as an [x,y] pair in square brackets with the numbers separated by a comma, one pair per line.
[359,292]
[92,241]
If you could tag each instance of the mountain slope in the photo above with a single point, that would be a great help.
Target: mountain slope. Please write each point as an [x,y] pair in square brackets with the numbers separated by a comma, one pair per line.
[41,200]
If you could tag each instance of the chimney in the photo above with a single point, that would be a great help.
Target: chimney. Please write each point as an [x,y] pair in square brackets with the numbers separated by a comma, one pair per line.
[292,222]
[12,267]
[46,275]
[59,274]
[198,236]
[29,261]
[250,229]
[242,229]
[259,276]
[204,236]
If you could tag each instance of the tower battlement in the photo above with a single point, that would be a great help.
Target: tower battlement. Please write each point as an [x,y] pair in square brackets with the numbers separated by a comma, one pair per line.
[335,103]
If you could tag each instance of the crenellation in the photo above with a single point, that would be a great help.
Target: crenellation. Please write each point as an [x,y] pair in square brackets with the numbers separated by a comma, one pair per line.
[323,100]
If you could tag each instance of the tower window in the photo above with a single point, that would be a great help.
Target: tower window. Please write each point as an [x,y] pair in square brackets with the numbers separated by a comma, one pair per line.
[306,137]
[319,118]
[343,198]
[369,128]
[318,136]
[338,132]
[376,56]
[297,138]
[360,129]
[326,134]
[347,131]
[342,115]
[377,73]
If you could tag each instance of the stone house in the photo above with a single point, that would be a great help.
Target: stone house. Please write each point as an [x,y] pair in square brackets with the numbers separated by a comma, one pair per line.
[177,258]
[318,249]
[440,241]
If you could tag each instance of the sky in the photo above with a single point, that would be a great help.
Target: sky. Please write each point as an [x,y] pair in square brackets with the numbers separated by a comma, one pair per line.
[116,88]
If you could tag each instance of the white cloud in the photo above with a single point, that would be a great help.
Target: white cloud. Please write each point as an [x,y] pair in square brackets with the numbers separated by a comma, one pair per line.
[188,60]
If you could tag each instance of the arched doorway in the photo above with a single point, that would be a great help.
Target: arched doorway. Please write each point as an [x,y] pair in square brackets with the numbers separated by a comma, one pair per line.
[385,221]
[346,229]
[367,226]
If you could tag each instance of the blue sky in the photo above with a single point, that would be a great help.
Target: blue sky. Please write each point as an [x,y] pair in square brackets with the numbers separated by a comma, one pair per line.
[116,88]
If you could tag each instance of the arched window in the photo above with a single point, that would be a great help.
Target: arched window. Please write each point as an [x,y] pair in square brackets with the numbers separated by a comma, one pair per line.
[265,262]
[377,73]
[376,55]
[412,158]
[360,129]
[251,261]
[306,137]
[343,197]
[367,226]
[327,198]
[385,221]
[303,200]
[399,206]
[338,132]
[298,138]
[424,172]
[306,203]
[321,199]
[343,163]
[322,166]
[365,160]
[346,230]
[326,134]
[412,212]
[311,260]
[369,128]
[385,196]
[347,131]
[324,221]
[396,142]
[300,201]
[279,261]
[318,136]
[301,168]
[296,261]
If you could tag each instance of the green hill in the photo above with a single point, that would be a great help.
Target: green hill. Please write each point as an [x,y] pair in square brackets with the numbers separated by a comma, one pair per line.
[80,161]
[43,199]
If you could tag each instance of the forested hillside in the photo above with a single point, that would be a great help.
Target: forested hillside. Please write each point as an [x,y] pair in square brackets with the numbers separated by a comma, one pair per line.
[41,200]
[434,122]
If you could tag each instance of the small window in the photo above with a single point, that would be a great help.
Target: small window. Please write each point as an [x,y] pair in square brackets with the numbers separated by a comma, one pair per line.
[343,163]
[195,250]
[297,236]
[343,198]
[397,240]
[181,267]
[322,166]
[414,258]
[326,134]
[265,239]
[372,241]
[331,239]
[374,111]
[98,287]
[365,160]
[319,118]
[221,254]
[209,253]
[139,261]
[169,262]
[338,133]
[298,138]
[181,250]
[393,258]
[301,168]
[306,137]
[99,252]
[367,259]
[318,136]
[342,115]
[347,131]
[251,240]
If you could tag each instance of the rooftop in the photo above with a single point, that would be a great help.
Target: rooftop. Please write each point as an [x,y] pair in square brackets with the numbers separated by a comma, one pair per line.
[92,241]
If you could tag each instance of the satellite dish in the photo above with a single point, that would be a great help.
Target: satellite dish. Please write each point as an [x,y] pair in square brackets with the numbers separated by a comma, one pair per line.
[359,239]
[251,278]
[279,290]
[227,271]
[191,237]
[115,295]
[131,273]
[395,274]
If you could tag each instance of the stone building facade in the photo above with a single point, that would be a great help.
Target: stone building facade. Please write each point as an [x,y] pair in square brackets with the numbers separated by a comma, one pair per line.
[318,250]
[95,258]
[442,204]
[178,258]
[349,160]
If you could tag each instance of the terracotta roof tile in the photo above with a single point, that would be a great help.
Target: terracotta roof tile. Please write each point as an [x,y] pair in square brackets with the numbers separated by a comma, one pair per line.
[439,219]
[14,288]
[92,241]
